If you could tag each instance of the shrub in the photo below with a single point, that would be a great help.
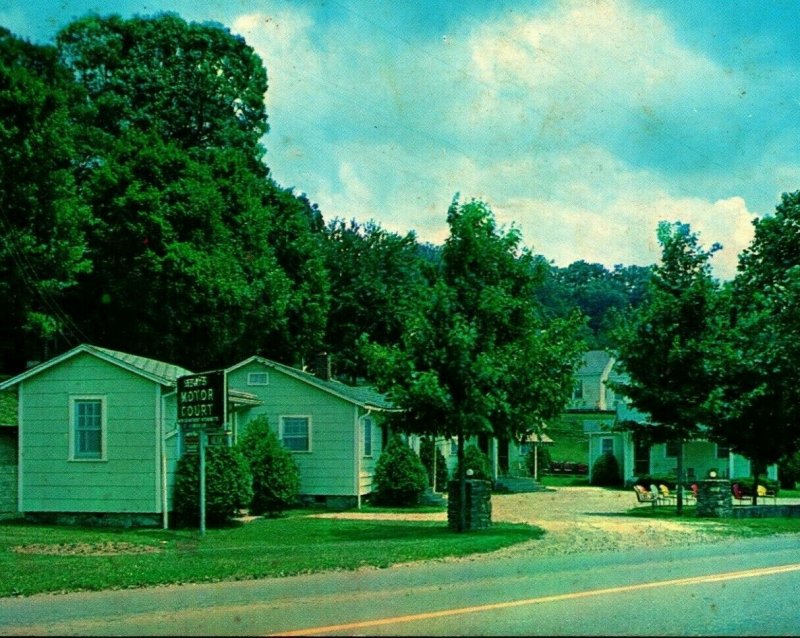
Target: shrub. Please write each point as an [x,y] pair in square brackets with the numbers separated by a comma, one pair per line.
[427,450]
[400,478]
[544,459]
[276,478]
[478,462]
[605,471]
[228,486]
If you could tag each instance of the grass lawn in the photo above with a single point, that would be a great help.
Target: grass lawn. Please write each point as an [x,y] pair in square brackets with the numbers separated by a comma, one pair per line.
[741,527]
[43,558]
[563,480]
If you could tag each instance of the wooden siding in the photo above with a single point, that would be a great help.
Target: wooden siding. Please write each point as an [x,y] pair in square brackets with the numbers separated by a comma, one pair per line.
[125,480]
[329,469]
[368,462]
[171,444]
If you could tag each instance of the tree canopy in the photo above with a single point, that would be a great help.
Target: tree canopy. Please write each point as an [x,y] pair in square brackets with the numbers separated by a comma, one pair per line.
[757,386]
[664,347]
[43,219]
[478,357]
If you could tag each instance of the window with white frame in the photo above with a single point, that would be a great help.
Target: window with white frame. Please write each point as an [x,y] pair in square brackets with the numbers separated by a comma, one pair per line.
[367,436]
[606,446]
[296,433]
[87,428]
[577,389]
[453,447]
[257,378]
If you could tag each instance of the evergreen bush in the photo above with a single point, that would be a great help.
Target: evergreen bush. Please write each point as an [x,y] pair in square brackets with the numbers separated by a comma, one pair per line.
[427,452]
[478,462]
[228,486]
[400,477]
[276,478]
[605,471]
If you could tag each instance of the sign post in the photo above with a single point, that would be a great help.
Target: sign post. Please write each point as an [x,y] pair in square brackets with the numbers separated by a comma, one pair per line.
[202,403]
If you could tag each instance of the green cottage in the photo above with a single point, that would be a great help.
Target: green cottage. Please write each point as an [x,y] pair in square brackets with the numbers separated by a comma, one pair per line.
[332,429]
[97,436]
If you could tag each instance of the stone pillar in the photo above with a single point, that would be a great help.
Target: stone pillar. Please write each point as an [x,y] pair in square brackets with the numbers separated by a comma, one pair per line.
[479,504]
[714,498]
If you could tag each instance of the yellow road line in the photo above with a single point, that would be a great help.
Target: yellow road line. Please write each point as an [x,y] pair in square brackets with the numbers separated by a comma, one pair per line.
[679,582]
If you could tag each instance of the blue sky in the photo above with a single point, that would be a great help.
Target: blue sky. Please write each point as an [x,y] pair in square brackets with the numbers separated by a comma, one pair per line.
[582,123]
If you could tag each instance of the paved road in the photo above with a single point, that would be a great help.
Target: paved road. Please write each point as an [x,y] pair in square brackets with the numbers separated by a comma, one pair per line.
[742,587]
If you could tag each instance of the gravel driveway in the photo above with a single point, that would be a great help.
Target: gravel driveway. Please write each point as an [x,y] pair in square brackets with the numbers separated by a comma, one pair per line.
[577,519]
[582,519]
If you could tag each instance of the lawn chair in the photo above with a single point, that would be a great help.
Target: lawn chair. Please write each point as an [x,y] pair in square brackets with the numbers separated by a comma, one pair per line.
[666,495]
[764,493]
[645,496]
[738,494]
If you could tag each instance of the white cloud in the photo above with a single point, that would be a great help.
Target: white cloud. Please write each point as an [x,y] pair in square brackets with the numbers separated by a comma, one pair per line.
[582,123]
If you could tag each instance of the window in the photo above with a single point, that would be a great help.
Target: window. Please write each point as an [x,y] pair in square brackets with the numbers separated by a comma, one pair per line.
[577,390]
[524,449]
[672,448]
[606,445]
[87,431]
[723,451]
[296,433]
[258,378]
[367,437]
[453,447]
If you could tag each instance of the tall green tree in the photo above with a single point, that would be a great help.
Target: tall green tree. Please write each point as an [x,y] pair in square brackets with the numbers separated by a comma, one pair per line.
[664,347]
[175,277]
[298,240]
[478,357]
[757,391]
[197,85]
[602,295]
[42,217]
[199,256]
[378,278]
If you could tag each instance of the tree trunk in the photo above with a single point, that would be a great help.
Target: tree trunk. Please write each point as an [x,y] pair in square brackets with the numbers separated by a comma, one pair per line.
[679,485]
[462,484]
[756,472]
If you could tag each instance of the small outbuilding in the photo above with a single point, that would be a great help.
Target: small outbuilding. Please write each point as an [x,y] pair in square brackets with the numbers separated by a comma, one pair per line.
[96,436]
[332,429]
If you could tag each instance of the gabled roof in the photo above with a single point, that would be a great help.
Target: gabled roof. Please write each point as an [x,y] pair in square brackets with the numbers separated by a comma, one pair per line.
[157,371]
[595,363]
[363,396]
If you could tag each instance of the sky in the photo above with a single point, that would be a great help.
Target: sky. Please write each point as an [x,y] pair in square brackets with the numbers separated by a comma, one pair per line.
[581,123]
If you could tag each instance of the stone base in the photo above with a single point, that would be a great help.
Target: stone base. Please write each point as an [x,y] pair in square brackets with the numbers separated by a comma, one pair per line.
[98,519]
[478,504]
[714,499]
[766,511]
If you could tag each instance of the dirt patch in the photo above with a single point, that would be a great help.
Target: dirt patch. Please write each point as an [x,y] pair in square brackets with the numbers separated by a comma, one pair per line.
[85,549]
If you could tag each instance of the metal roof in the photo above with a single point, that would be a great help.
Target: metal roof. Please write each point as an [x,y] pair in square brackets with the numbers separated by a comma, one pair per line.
[158,371]
[363,396]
